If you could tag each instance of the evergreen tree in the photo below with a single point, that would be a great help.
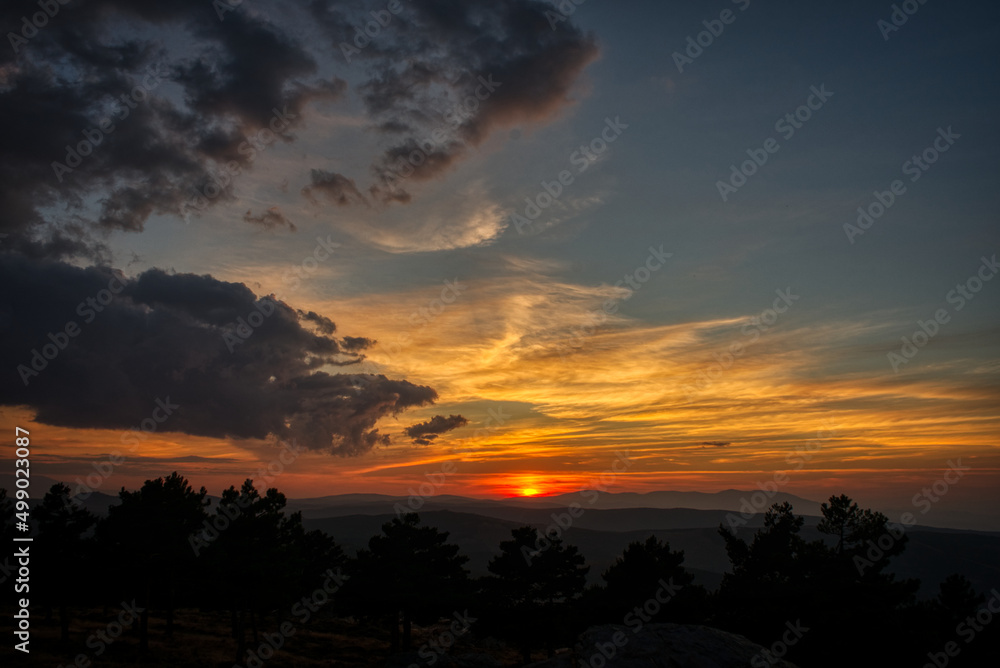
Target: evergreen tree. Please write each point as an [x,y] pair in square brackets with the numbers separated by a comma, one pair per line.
[62,551]
[147,539]
[409,573]
[531,593]
[257,559]
[640,572]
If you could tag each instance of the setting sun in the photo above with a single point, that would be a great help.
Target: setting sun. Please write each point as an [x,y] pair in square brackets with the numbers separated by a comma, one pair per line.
[530,491]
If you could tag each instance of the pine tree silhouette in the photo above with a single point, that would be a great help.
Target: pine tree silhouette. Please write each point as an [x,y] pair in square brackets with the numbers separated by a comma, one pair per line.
[62,550]
[409,573]
[148,536]
[637,575]
[532,590]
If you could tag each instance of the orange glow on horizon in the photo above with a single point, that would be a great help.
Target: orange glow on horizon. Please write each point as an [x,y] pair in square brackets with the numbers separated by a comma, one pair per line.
[538,484]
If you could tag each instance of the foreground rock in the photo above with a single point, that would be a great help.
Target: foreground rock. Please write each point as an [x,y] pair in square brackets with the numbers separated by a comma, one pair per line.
[662,646]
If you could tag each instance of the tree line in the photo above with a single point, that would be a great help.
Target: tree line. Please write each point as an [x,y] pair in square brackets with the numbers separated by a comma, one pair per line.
[166,547]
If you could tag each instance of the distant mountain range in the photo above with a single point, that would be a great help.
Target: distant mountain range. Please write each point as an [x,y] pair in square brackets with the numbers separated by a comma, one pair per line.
[730,499]
[608,522]
[987,519]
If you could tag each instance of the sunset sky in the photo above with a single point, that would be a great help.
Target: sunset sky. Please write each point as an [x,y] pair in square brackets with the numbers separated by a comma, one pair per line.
[604,325]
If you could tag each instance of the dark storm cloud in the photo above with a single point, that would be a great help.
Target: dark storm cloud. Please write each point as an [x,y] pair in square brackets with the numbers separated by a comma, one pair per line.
[119,110]
[322,323]
[355,343]
[237,86]
[189,341]
[449,72]
[423,433]
[335,188]
[269,219]
[169,103]
[106,125]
